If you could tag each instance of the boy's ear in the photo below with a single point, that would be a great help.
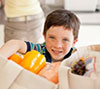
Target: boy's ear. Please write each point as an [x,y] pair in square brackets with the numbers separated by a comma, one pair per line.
[74,42]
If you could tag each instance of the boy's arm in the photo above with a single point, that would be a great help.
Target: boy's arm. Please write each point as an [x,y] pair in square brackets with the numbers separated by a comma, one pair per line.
[12,47]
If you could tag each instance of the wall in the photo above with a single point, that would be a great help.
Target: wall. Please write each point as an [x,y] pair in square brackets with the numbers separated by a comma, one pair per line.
[98,2]
[98,5]
[88,35]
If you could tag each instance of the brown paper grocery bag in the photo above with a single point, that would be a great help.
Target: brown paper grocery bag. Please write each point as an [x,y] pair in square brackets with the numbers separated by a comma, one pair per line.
[13,76]
[68,80]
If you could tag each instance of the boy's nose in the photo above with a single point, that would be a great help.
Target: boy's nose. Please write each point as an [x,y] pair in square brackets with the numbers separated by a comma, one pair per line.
[58,44]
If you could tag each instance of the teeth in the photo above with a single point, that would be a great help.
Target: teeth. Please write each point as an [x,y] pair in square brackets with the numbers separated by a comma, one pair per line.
[57,51]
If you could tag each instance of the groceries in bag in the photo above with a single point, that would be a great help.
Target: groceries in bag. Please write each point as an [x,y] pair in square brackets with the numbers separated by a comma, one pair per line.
[32,61]
[84,67]
[36,63]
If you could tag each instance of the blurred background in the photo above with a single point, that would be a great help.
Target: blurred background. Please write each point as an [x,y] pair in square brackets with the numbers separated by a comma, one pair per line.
[88,12]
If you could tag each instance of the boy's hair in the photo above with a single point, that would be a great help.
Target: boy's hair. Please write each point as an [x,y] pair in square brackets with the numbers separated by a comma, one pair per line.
[63,18]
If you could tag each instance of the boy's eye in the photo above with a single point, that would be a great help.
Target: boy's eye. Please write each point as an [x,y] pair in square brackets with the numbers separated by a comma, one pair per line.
[65,40]
[51,37]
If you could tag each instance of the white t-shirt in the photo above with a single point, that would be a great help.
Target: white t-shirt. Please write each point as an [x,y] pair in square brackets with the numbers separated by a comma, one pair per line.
[16,8]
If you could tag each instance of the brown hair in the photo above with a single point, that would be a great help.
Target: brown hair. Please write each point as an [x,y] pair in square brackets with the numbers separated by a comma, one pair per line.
[63,18]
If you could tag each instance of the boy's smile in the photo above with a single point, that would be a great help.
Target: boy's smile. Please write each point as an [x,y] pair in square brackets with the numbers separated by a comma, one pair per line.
[59,41]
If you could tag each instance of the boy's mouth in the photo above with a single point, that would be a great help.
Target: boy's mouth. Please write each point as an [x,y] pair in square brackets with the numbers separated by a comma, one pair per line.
[56,52]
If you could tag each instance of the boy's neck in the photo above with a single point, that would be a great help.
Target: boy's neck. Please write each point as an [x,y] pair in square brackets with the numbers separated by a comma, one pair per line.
[53,60]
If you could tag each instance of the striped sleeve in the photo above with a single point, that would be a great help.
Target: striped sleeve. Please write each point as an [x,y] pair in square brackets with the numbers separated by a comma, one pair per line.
[39,47]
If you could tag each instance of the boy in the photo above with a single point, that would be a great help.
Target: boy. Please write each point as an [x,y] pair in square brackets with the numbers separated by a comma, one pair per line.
[60,33]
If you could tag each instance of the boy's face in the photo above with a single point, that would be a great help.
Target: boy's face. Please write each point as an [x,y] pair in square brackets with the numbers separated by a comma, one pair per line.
[59,41]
